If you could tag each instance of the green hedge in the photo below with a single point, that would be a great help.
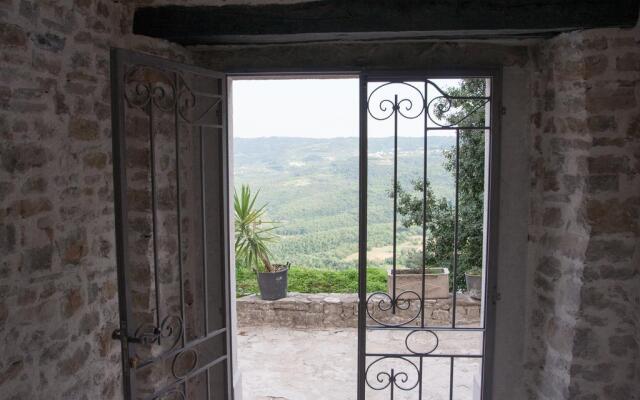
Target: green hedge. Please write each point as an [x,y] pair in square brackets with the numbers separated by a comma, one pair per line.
[316,280]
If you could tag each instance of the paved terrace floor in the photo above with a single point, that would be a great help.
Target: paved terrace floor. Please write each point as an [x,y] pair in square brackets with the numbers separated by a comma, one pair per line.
[320,364]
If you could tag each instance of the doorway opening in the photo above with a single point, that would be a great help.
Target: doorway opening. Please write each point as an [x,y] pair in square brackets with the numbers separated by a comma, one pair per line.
[398,207]
[425,142]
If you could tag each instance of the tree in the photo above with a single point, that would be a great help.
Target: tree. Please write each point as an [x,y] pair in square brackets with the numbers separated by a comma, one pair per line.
[439,217]
[440,213]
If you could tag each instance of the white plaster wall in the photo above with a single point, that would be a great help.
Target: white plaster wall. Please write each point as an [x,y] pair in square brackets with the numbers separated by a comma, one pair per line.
[512,236]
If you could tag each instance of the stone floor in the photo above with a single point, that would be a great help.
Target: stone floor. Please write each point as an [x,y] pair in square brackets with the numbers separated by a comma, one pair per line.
[320,364]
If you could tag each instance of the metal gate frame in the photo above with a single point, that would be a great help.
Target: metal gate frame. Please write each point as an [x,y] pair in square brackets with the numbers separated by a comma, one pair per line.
[126,333]
[490,282]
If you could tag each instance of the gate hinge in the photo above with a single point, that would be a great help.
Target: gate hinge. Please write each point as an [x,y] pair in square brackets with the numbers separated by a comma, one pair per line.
[496,297]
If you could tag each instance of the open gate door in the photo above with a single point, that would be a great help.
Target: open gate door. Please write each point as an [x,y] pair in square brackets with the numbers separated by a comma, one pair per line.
[171,201]
[429,335]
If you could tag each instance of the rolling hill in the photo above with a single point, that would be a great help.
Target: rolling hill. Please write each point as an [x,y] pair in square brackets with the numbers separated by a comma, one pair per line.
[311,188]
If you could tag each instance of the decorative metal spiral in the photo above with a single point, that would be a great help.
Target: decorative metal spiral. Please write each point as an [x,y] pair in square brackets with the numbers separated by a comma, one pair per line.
[140,90]
[413,107]
[383,302]
[443,103]
[187,104]
[387,107]
[406,379]
[170,328]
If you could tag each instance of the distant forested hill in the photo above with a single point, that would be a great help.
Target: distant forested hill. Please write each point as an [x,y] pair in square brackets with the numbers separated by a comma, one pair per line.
[311,187]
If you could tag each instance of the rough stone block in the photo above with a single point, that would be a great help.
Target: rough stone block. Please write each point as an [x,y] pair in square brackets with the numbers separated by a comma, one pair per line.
[607,164]
[12,36]
[628,62]
[603,183]
[83,129]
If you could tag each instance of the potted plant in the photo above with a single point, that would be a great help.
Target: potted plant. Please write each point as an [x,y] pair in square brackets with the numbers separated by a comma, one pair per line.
[410,278]
[253,236]
[473,278]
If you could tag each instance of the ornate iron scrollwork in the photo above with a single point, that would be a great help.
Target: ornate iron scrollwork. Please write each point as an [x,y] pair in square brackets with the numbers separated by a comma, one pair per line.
[439,106]
[144,85]
[413,103]
[404,106]
[404,375]
[385,303]
[169,328]
[187,103]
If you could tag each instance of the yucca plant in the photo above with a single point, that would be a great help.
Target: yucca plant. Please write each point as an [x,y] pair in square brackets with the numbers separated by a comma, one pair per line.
[253,233]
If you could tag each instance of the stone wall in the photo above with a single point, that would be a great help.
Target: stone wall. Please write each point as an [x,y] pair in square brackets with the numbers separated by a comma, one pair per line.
[58,290]
[585,210]
[58,301]
[337,310]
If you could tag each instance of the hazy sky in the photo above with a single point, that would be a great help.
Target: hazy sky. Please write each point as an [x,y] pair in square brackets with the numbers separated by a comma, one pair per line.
[315,108]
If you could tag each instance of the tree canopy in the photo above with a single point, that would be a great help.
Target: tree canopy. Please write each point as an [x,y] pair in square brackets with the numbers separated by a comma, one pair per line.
[440,212]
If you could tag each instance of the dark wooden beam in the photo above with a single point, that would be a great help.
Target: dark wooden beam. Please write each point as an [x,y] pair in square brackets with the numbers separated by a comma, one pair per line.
[369,19]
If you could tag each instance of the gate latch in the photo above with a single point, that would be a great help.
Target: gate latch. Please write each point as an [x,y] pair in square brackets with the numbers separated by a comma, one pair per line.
[117,335]
[148,337]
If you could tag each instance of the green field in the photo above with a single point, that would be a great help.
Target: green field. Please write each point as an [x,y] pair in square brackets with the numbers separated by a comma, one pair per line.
[311,188]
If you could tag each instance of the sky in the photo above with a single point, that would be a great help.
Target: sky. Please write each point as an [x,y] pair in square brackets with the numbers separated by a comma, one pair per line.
[317,108]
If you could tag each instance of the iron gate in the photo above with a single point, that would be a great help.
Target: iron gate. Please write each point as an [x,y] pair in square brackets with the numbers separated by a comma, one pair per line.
[171,201]
[403,347]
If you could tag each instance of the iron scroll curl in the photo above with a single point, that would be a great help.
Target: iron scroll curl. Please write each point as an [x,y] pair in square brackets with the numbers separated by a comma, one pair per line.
[406,379]
[144,85]
[384,302]
[170,328]
[410,107]
[443,103]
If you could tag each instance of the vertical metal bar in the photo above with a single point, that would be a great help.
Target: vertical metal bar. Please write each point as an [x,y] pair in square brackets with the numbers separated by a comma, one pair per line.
[393,377]
[424,217]
[152,150]
[120,208]
[362,241]
[451,379]
[420,377]
[205,293]
[395,196]
[179,215]
[455,229]
[208,384]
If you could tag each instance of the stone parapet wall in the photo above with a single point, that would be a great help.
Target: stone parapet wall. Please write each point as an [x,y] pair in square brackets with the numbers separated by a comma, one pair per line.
[337,310]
